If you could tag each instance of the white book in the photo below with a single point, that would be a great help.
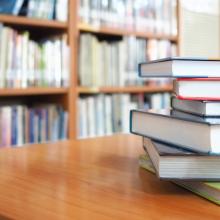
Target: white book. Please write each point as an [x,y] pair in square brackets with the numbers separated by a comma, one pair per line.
[57,62]
[91,116]
[100,119]
[122,63]
[197,89]
[62,10]
[9,71]
[83,118]
[19,125]
[65,56]
[108,115]
[31,63]
[17,7]
[24,74]
[180,67]
[6,112]
[125,110]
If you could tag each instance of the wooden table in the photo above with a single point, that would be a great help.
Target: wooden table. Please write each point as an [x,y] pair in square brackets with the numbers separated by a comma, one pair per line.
[91,179]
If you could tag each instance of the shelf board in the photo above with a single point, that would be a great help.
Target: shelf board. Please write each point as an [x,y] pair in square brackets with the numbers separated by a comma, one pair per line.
[123,32]
[32,22]
[128,89]
[33,91]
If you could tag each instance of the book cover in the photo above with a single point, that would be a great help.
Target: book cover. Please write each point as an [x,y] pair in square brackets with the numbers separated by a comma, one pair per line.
[202,89]
[180,67]
[183,130]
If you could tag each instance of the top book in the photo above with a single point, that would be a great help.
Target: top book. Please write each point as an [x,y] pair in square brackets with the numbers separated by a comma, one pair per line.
[180,67]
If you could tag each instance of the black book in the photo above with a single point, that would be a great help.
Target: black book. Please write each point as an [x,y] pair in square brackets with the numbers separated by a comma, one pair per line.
[173,127]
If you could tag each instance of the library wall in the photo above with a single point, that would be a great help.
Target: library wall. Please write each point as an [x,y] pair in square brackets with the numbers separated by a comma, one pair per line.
[200,28]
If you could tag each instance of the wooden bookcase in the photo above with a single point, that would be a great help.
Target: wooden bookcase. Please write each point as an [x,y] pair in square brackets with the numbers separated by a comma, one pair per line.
[67,97]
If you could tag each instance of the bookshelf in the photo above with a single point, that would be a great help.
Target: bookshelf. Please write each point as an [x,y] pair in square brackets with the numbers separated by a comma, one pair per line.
[33,91]
[82,27]
[68,97]
[33,22]
[113,32]
[127,89]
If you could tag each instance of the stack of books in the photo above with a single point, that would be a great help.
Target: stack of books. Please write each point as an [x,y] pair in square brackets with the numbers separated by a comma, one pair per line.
[183,143]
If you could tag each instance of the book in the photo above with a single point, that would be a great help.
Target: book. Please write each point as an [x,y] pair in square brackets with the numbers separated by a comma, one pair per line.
[22,124]
[17,7]
[166,126]
[61,10]
[201,108]
[207,190]
[28,63]
[177,163]
[120,59]
[197,88]
[180,67]
[144,16]
[105,114]
[7,7]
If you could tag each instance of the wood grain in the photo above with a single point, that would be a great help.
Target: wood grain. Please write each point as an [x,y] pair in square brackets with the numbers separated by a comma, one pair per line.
[91,179]
[122,32]
[32,22]
[32,91]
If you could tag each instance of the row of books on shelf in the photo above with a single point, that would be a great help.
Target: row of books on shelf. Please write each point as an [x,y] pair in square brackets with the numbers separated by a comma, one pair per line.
[119,59]
[183,142]
[153,16]
[21,124]
[45,9]
[106,114]
[28,63]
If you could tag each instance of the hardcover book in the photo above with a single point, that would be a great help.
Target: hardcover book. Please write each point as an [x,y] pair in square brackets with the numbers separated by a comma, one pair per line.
[201,108]
[176,163]
[180,67]
[167,126]
[197,88]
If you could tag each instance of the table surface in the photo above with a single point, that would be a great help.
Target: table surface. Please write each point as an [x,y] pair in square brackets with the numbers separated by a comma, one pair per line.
[91,179]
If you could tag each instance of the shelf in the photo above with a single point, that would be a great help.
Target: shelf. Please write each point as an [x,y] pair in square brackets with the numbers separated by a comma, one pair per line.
[123,32]
[33,91]
[128,89]
[32,22]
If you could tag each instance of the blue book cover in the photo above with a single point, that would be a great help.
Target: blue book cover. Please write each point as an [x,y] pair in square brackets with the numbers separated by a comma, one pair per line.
[7,6]
[47,124]
[14,126]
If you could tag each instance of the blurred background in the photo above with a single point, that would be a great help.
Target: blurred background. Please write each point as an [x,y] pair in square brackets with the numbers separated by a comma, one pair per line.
[69,68]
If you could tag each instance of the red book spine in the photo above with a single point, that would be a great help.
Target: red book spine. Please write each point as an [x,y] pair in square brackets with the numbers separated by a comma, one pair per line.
[198,98]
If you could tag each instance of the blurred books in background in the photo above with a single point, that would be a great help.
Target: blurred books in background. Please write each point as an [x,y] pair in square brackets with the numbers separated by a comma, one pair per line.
[149,16]
[21,124]
[44,9]
[107,114]
[115,62]
[25,62]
